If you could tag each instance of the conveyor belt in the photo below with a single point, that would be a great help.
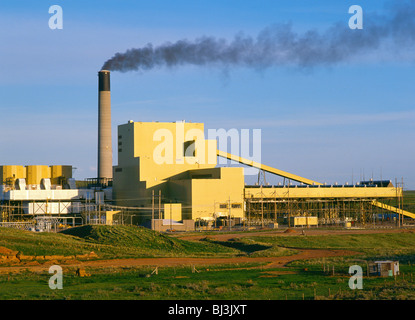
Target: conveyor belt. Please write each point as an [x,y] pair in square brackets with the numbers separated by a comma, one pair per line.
[393,209]
[266,168]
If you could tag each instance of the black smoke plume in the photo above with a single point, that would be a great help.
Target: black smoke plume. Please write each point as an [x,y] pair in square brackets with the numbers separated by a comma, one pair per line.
[279,45]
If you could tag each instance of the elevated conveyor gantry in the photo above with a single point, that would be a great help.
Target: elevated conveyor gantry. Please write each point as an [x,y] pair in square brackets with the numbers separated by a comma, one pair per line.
[266,168]
[300,179]
[393,209]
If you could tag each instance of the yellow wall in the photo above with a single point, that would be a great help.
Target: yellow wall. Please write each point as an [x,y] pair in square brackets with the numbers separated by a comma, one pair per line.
[201,196]
[304,221]
[147,145]
[209,194]
[173,211]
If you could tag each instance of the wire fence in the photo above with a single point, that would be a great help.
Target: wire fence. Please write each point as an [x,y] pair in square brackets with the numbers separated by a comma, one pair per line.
[19,225]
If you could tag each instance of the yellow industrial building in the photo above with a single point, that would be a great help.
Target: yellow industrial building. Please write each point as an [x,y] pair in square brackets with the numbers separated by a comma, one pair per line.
[175,160]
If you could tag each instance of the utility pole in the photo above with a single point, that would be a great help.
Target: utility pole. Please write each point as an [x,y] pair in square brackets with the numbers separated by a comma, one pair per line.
[250,211]
[159,208]
[288,203]
[229,214]
[152,210]
[397,199]
[262,209]
[401,200]
[214,214]
[275,208]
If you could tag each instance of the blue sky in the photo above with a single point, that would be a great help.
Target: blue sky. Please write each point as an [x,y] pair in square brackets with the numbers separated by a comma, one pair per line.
[330,124]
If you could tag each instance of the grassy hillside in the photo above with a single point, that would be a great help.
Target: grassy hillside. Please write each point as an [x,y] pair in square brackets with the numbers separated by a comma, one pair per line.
[300,280]
[387,245]
[43,243]
[130,241]
[139,241]
[107,242]
[307,279]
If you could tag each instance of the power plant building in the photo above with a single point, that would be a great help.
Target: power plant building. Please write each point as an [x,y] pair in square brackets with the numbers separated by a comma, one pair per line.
[175,159]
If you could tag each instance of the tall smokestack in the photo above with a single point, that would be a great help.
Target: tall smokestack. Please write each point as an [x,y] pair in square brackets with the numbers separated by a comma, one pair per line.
[104,126]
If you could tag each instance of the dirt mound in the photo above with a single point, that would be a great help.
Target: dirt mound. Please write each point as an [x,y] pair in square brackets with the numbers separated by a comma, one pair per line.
[7,252]
[290,231]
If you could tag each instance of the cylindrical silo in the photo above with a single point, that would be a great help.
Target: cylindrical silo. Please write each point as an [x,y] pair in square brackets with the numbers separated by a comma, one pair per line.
[10,173]
[104,126]
[35,174]
[60,174]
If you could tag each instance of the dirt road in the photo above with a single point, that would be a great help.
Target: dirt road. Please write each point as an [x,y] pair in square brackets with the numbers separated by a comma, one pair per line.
[271,262]
[290,232]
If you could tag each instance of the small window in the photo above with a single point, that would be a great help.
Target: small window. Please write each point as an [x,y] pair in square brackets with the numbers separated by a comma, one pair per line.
[118,169]
[189,148]
[236,205]
[223,206]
